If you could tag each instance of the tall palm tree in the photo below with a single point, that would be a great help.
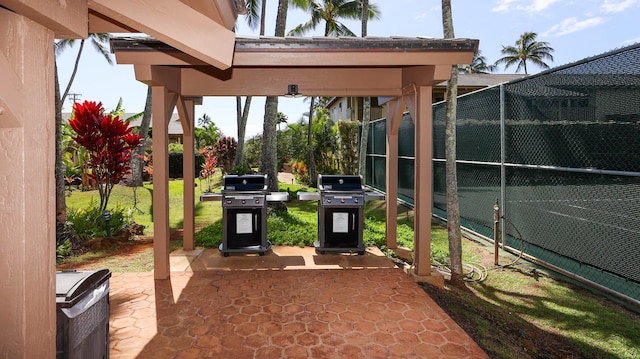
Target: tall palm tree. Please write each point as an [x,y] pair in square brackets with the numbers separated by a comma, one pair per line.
[255,17]
[331,12]
[98,41]
[526,49]
[478,65]
[453,206]
[366,101]
[269,148]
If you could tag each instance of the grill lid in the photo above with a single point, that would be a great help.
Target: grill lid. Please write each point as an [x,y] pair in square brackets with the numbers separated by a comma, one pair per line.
[244,183]
[345,183]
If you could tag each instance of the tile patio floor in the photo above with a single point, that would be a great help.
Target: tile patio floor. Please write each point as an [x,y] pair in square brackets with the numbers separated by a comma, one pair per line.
[290,303]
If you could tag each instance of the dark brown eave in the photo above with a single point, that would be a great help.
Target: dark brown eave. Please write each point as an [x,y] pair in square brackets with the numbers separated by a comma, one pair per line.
[275,44]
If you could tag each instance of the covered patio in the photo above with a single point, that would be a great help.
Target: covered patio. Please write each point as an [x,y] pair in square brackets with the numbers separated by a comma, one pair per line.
[193,52]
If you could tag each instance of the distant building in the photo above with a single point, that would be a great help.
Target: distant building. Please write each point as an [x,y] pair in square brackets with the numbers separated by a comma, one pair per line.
[175,127]
[350,108]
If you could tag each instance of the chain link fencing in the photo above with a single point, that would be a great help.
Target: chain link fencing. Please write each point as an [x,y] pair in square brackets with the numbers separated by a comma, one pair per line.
[560,152]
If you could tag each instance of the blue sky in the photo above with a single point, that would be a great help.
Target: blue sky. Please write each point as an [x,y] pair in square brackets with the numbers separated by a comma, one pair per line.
[576,29]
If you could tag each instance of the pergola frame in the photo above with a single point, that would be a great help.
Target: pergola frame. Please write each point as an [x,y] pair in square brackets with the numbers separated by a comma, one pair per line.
[403,69]
[205,60]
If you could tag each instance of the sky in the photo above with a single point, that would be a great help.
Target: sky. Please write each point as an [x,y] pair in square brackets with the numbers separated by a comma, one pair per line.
[575,29]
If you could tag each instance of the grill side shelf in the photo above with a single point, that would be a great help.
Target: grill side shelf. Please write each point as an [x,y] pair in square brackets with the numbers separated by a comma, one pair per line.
[211,197]
[309,196]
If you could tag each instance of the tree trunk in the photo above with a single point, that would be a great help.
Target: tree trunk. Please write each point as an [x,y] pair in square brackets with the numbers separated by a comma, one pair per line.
[453,207]
[313,171]
[137,158]
[269,152]
[366,106]
[61,200]
[241,118]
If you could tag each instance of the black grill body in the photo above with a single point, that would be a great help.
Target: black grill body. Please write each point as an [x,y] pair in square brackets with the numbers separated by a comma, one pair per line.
[244,214]
[340,214]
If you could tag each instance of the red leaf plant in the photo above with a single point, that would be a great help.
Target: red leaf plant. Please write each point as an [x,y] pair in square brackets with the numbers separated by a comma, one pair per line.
[109,142]
[209,167]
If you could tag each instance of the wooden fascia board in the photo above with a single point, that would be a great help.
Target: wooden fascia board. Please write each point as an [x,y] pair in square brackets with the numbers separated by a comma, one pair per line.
[310,81]
[175,24]
[350,58]
[293,59]
[67,19]
[419,76]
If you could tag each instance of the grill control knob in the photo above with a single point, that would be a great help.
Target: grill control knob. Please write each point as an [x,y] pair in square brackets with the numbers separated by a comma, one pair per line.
[355,200]
[257,201]
[328,200]
[342,200]
[243,201]
[229,201]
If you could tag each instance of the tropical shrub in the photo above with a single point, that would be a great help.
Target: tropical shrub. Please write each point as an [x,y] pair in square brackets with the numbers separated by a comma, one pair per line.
[108,141]
[88,222]
[225,152]
[209,166]
[348,145]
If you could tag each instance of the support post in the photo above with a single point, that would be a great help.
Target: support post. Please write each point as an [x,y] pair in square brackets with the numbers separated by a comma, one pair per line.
[27,188]
[163,103]
[186,109]
[394,110]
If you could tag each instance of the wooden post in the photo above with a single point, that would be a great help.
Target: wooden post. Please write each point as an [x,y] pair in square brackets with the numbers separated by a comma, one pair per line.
[27,188]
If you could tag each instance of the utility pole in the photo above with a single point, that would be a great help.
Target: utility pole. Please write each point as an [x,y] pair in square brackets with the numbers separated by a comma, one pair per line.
[74,97]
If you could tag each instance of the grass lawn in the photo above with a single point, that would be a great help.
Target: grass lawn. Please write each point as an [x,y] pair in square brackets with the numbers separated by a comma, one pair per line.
[515,312]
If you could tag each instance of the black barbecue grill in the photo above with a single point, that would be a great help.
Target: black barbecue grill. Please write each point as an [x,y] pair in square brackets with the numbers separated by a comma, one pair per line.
[340,212]
[244,213]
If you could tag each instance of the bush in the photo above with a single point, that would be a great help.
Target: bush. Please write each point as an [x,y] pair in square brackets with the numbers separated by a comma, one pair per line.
[176,164]
[88,223]
[300,172]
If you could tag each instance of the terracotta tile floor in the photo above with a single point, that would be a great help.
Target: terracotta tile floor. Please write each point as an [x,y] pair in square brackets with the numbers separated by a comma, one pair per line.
[376,311]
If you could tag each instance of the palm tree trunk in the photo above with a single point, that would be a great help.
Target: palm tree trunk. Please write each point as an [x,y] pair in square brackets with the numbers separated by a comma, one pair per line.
[137,158]
[313,171]
[61,200]
[366,106]
[453,206]
[241,118]
[269,152]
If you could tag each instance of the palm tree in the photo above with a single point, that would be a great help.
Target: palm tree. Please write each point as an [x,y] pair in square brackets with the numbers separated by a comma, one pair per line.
[527,48]
[330,12]
[137,158]
[255,16]
[453,206]
[478,65]
[98,40]
[366,101]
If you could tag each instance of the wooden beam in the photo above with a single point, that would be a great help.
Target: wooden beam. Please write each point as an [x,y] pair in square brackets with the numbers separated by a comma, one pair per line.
[175,24]
[186,110]
[310,81]
[166,76]
[220,11]
[67,19]
[98,23]
[395,108]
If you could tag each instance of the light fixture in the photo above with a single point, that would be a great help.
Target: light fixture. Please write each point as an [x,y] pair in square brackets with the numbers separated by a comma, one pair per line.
[292,91]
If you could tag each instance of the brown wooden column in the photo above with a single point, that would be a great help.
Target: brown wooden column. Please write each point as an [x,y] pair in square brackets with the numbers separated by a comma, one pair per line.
[163,103]
[420,109]
[186,110]
[394,110]
[27,192]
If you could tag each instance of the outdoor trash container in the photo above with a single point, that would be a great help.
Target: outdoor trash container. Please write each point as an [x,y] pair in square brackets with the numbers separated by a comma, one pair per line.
[82,314]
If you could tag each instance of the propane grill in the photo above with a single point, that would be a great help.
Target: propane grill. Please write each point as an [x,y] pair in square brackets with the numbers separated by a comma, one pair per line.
[340,212]
[244,213]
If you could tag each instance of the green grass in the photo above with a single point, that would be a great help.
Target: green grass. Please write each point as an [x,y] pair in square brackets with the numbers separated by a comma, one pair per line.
[501,313]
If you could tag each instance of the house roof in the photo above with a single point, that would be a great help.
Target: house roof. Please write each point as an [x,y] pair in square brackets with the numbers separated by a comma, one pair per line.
[483,80]
[175,127]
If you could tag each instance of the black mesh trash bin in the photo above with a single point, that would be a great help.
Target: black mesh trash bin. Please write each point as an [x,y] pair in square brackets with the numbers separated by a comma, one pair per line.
[82,314]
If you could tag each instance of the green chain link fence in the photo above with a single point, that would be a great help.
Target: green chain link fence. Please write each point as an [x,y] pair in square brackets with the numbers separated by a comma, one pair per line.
[560,151]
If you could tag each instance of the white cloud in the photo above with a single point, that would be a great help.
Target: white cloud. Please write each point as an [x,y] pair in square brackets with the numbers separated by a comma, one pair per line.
[617,5]
[421,16]
[539,5]
[572,24]
[502,5]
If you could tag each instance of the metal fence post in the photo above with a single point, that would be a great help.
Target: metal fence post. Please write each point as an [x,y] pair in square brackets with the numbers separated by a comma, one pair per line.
[503,174]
